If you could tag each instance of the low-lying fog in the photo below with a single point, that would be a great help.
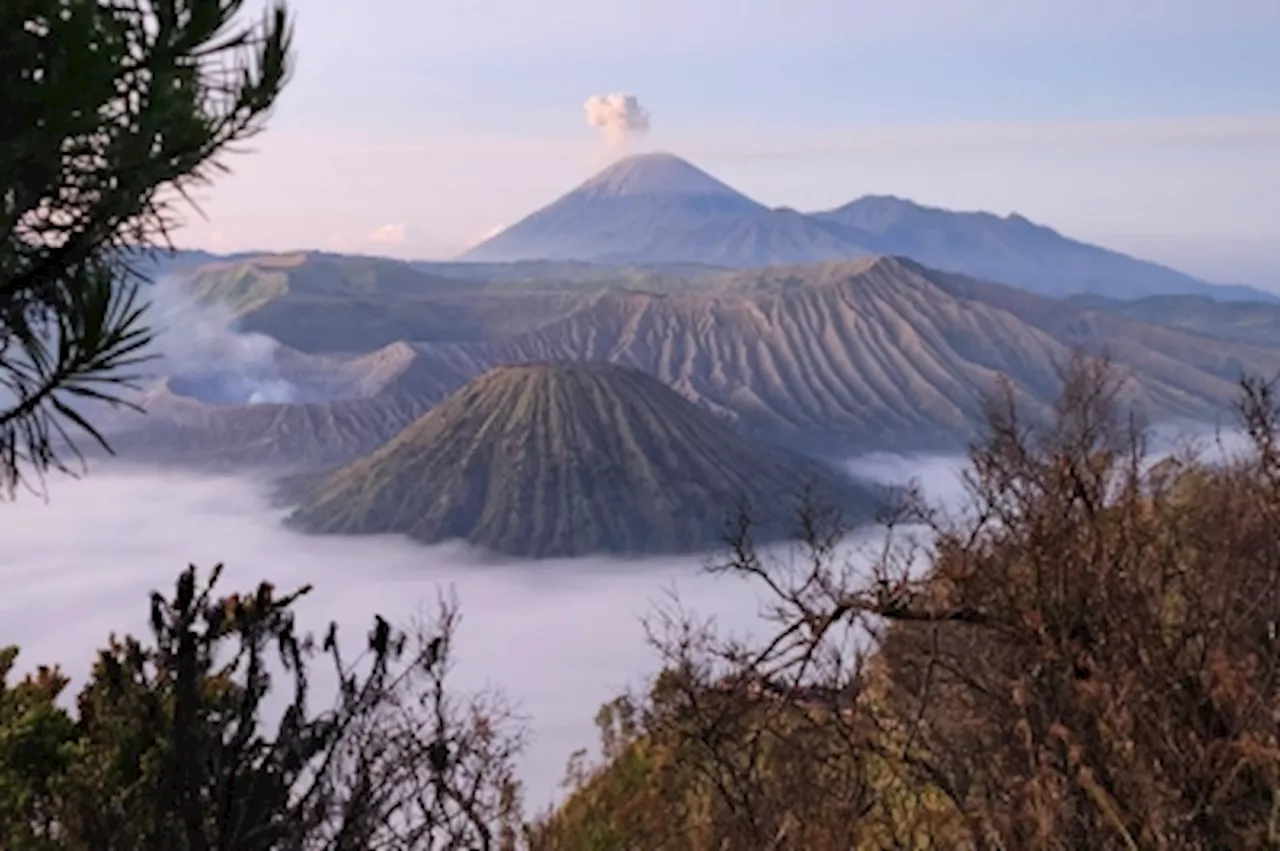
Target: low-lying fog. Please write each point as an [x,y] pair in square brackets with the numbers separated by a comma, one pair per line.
[559,638]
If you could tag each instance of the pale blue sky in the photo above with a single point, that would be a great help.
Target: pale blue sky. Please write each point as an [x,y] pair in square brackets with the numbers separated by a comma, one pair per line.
[1148,126]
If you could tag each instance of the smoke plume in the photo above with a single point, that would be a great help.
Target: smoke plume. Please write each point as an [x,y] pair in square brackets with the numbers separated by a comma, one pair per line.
[199,343]
[618,116]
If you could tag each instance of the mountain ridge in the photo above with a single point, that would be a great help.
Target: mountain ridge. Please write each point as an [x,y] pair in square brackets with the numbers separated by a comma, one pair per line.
[650,224]
[646,209]
[879,346]
[872,354]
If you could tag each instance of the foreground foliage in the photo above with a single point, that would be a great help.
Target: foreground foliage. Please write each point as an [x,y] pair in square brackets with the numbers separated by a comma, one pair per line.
[1085,656]
[205,738]
[109,113]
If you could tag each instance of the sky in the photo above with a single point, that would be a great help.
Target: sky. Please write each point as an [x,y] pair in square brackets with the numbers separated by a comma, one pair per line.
[415,129]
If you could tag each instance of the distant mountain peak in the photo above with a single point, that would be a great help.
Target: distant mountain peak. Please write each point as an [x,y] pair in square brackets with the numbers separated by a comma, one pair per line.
[880,214]
[887,200]
[897,205]
[657,208]
[651,174]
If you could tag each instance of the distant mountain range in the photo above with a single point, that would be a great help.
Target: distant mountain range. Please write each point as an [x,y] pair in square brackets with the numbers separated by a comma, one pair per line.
[877,353]
[627,383]
[566,459]
[660,209]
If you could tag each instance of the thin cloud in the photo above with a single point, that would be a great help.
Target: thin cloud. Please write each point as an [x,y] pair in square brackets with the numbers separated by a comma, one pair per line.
[975,137]
[391,234]
[489,234]
[855,140]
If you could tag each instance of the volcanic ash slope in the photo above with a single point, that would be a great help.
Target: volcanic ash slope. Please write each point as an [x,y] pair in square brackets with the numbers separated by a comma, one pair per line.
[565,459]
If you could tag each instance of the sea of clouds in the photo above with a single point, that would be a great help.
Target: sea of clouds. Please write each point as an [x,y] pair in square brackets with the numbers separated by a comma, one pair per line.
[559,638]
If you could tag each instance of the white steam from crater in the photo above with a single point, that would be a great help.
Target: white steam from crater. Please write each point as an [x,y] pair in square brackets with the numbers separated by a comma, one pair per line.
[620,117]
[200,343]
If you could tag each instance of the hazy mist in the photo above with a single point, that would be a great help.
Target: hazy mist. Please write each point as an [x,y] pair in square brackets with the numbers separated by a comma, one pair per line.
[557,637]
[220,363]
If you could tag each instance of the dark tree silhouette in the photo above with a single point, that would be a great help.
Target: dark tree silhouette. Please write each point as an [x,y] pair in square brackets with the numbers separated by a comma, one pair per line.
[206,738]
[110,111]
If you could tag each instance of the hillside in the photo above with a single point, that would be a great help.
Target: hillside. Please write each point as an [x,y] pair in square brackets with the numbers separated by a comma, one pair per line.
[269,436]
[318,302]
[1255,323]
[368,400]
[914,742]
[657,208]
[878,353]
[321,303]
[572,273]
[563,459]
[1015,251]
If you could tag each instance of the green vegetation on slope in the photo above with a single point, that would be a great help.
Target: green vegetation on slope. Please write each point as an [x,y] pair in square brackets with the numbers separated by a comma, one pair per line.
[679,766]
[240,288]
[564,459]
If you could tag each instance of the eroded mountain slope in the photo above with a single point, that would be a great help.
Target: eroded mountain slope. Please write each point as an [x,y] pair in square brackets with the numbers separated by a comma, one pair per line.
[877,353]
[880,352]
[566,459]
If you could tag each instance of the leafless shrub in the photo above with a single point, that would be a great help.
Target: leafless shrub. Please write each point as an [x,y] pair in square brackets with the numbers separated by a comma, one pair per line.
[1089,660]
